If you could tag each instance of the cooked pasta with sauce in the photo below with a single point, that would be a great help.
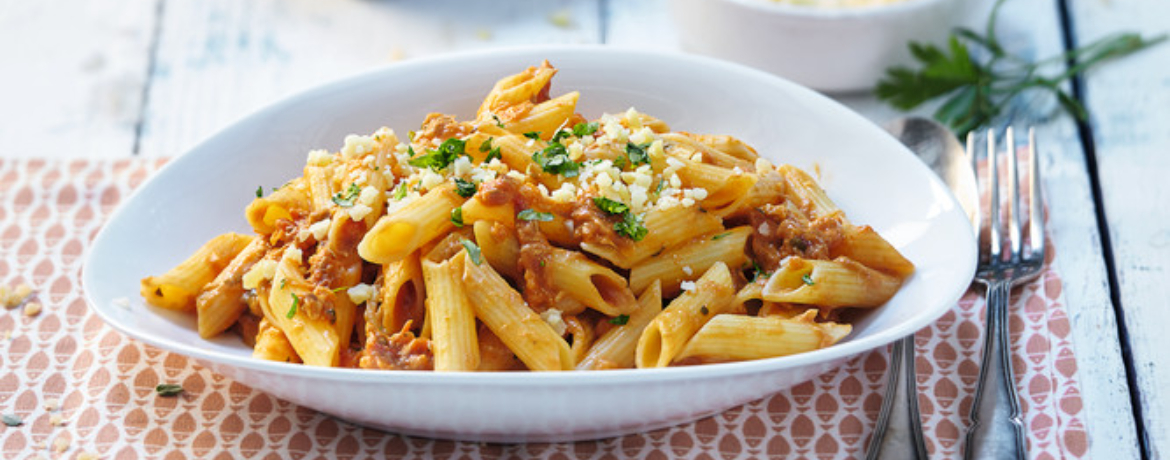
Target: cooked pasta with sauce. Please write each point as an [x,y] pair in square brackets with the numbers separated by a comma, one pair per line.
[532,238]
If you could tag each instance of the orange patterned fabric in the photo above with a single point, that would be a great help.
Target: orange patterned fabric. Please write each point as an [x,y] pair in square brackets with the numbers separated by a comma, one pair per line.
[81,388]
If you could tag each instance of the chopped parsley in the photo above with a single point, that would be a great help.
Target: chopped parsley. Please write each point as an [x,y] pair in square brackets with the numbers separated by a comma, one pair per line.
[259,191]
[620,320]
[637,153]
[807,278]
[554,159]
[721,236]
[13,420]
[531,214]
[610,206]
[499,123]
[292,311]
[585,129]
[630,226]
[493,152]
[400,191]
[472,251]
[457,217]
[346,198]
[168,389]
[438,159]
[759,271]
[619,162]
[464,188]
[560,134]
[534,135]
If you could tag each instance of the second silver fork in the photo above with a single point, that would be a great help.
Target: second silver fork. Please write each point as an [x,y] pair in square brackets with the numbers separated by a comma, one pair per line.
[996,424]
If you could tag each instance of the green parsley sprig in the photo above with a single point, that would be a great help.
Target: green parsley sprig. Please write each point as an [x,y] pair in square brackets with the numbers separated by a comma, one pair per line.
[976,92]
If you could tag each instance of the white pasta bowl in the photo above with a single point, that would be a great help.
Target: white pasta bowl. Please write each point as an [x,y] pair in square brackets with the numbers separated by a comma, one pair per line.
[829,48]
[203,193]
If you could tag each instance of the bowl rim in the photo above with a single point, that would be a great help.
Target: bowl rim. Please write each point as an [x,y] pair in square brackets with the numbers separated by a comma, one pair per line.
[816,12]
[216,359]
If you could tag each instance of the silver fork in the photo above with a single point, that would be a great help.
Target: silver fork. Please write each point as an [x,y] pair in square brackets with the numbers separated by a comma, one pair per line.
[996,425]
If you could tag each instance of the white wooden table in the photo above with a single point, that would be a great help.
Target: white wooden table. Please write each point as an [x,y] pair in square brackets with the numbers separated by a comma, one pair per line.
[109,79]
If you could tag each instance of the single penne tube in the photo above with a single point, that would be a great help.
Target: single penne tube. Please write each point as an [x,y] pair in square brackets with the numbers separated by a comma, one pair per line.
[474,210]
[724,186]
[315,340]
[769,187]
[178,288]
[589,282]
[452,318]
[320,180]
[401,232]
[664,338]
[866,246]
[272,345]
[582,334]
[291,198]
[689,261]
[729,145]
[683,145]
[829,284]
[514,90]
[741,338]
[807,192]
[402,293]
[615,348]
[499,247]
[504,311]
[547,116]
[221,302]
[665,228]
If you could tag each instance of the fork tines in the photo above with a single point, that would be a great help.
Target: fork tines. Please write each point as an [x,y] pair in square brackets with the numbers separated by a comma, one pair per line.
[999,186]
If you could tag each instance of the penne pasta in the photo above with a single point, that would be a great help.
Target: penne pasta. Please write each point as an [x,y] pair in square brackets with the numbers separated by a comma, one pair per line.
[178,288]
[615,348]
[665,336]
[829,284]
[688,262]
[740,338]
[400,233]
[455,345]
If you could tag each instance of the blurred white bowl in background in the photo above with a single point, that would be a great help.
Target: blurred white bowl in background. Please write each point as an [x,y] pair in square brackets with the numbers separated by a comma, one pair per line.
[832,49]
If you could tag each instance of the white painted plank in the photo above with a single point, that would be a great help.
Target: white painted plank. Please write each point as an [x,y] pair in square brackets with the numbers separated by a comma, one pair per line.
[642,24]
[1129,100]
[73,76]
[220,60]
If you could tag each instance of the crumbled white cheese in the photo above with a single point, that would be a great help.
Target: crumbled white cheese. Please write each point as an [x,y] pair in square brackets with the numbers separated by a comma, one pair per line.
[293,254]
[262,270]
[687,269]
[462,166]
[687,285]
[633,120]
[765,229]
[429,179]
[368,196]
[359,211]
[565,194]
[356,146]
[319,158]
[763,165]
[320,228]
[361,293]
[642,136]
[553,317]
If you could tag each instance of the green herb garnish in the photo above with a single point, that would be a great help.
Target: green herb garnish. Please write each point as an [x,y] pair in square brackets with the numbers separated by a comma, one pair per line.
[472,251]
[457,217]
[347,197]
[168,389]
[720,236]
[400,191]
[759,271]
[610,206]
[807,278]
[438,159]
[620,320]
[585,129]
[560,134]
[976,91]
[292,311]
[631,227]
[554,159]
[465,189]
[534,135]
[260,191]
[13,420]
[497,119]
[531,214]
[637,153]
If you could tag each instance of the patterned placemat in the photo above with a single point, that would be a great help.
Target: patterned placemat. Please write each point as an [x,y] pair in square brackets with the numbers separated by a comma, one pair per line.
[81,390]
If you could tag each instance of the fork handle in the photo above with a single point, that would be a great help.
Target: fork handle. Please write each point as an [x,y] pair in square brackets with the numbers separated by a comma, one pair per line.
[899,413]
[996,426]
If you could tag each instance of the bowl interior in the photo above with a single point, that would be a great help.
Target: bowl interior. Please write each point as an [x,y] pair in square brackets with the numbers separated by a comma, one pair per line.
[869,174]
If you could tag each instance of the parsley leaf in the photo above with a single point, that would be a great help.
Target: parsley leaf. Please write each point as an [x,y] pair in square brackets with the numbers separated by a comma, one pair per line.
[759,271]
[720,236]
[259,191]
[637,153]
[585,129]
[465,189]
[620,320]
[554,159]
[631,226]
[13,420]
[610,206]
[472,251]
[560,134]
[457,217]
[807,278]
[619,162]
[486,145]
[977,91]
[499,123]
[495,153]
[438,159]
[292,311]
[400,191]
[531,214]
[168,389]
[534,135]
[347,197]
